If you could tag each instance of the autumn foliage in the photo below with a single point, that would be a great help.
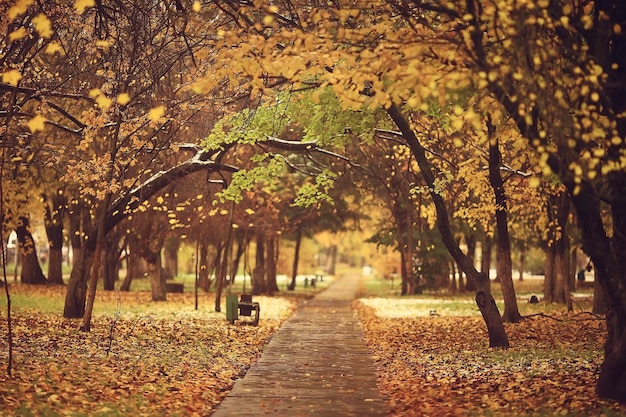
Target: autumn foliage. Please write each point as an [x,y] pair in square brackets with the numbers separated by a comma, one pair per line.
[110,93]
[437,365]
[139,358]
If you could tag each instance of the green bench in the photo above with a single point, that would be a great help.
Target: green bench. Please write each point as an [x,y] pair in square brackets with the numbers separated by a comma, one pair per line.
[242,307]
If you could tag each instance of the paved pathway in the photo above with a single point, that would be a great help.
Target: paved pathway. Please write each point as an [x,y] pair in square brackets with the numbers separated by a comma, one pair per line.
[317,364]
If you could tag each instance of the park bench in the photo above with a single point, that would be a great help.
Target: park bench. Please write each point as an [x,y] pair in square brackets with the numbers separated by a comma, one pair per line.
[174,287]
[584,284]
[244,307]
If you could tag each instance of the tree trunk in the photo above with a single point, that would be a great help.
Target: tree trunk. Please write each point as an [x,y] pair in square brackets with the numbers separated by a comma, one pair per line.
[220,276]
[111,266]
[18,263]
[152,256]
[471,253]
[504,264]
[128,279]
[404,283]
[485,262]
[31,270]
[561,282]
[548,273]
[460,271]
[170,253]
[599,298]
[75,215]
[332,260]
[404,227]
[522,262]
[607,256]
[95,267]
[258,274]
[203,266]
[135,263]
[558,283]
[54,231]
[453,287]
[409,270]
[76,294]
[271,259]
[242,242]
[223,263]
[612,379]
[55,266]
[157,277]
[296,259]
[484,299]
[222,271]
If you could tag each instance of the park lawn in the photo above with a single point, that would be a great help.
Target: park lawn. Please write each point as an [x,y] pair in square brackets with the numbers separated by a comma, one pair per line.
[141,358]
[166,358]
[441,365]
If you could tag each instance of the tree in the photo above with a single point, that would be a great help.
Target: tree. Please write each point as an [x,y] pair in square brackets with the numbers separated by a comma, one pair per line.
[526,57]
[299,47]
[31,270]
[387,163]
[504,263]
[575,53]
[54,214]
[484,299]
[556,68]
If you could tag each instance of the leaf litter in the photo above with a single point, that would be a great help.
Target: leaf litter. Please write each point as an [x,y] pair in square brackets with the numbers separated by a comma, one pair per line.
[442,366]
[168,359]
[161,358]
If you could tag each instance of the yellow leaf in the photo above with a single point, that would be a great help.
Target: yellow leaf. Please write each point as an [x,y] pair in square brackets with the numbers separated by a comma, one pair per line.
[196,6]
[160,200]
[458,123]
[81,5]
[315,97]
[36,123]
[43,25]
[413,102]
[103,101]
[53,47]
[534,182]
[94,92]
[123,99]
[11,77]
[103,44]
[19,8]
[17,34]
[156,113]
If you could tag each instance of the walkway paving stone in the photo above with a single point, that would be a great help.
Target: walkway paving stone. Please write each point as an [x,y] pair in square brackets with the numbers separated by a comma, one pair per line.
[317,364]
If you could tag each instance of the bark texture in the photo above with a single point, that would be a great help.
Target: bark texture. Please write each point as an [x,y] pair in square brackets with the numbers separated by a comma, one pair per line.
[504,264]
[484,299]
[31,269]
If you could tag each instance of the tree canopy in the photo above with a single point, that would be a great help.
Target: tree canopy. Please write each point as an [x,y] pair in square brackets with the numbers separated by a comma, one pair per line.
[112,94]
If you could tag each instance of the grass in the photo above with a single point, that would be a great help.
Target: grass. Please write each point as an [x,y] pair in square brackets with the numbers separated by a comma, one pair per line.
[244,286]
[462,303]
[167,356]
[155,358]
[441,365]
[51,299]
